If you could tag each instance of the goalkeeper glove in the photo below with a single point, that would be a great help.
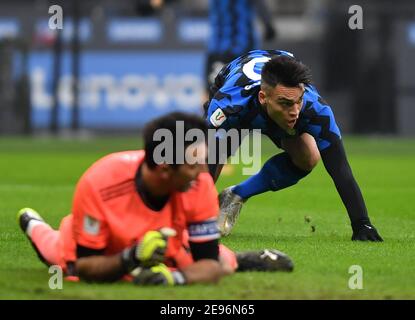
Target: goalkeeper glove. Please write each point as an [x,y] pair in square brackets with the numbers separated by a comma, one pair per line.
[365,232]
[149,251]
[158,275]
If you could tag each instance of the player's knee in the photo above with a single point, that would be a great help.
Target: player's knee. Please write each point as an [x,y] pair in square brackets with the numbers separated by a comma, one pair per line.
[308,163]
[314,159]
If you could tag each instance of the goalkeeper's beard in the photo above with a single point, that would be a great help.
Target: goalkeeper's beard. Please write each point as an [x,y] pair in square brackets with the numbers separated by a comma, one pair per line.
[186,187]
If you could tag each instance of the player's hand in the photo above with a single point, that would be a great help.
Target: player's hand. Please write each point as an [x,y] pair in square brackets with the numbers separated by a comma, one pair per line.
[157,275]
[365,232]
[149,251]
[152,247]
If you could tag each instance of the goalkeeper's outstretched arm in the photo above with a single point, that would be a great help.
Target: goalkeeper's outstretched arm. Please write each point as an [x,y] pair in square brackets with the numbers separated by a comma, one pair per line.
[100,268]
[203,271]
[92,265]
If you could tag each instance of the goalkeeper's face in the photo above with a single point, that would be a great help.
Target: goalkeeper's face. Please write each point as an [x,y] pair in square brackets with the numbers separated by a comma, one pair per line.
[195,163]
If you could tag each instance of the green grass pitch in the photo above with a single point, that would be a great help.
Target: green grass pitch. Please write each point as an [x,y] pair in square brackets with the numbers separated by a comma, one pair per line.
[307,221]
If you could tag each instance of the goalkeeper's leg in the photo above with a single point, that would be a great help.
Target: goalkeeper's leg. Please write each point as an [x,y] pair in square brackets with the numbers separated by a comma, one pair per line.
[264,260]
[260,260]
[228,259]
[43,238]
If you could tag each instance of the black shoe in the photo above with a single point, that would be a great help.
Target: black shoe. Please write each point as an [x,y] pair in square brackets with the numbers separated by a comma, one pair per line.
[25,215]
[264,260]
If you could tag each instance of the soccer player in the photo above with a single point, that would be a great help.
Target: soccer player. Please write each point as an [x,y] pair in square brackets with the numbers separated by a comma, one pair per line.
[233,32]
[271,90]
[134,216]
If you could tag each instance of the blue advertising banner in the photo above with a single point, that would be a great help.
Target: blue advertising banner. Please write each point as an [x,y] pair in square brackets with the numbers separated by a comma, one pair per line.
[194,30]
[119,89]
[134,30]
[9,28]
[46,35]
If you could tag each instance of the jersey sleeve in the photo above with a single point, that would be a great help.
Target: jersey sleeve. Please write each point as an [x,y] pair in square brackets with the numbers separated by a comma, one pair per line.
[238,84]
[321,123]
[201,219]
[324,129]
[90,227]
[224,110]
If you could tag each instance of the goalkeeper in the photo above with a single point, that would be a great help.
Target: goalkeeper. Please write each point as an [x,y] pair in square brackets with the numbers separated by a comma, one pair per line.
[150,223]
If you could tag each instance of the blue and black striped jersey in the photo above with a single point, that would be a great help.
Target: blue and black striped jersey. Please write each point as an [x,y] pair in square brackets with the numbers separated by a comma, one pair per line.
[235,104]
[232,27]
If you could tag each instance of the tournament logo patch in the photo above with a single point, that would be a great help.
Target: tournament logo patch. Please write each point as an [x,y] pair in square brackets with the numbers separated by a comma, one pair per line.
[91,225]
[217,118]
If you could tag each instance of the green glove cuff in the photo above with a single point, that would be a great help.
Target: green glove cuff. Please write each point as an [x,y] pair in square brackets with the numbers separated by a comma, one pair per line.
[128,259]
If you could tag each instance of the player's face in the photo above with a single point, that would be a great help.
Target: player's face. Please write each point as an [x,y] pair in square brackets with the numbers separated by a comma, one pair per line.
[283,104]
[187,173]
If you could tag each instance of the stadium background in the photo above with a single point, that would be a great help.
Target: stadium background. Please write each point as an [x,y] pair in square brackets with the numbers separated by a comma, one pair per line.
[133,67]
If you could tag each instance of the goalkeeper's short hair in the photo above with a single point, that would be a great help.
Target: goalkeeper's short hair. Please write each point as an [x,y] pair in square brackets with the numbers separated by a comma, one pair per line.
[169,122]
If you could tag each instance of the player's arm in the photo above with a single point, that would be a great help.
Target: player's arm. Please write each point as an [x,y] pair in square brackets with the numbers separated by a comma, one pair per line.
[92,265]
[201,216]
[206,267]
[336,163]
[216,119]
[203,238]
[221,116]
[91,234]
[204,234]
[95,267]
[204,246]
[203,271]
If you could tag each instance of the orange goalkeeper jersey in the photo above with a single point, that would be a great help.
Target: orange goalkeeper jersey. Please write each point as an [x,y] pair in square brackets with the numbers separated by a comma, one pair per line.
[109,214]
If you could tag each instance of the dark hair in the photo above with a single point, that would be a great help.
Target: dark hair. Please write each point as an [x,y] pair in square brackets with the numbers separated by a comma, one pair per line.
[169,121]
[286,71]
